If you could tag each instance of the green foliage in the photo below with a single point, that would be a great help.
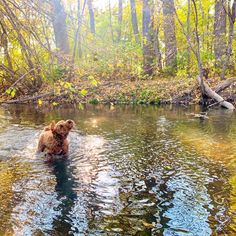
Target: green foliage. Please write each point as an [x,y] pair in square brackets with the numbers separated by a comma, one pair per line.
[93,81]
[147,96]
[57,72]
[94,101]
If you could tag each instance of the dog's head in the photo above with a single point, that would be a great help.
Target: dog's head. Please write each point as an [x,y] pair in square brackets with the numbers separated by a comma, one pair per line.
[62,128]
[70,124]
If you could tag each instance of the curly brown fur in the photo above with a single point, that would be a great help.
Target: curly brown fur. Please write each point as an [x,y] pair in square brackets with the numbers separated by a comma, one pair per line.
[53,139]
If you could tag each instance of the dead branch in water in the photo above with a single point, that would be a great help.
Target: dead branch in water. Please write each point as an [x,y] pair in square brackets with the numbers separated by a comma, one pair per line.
[212,94]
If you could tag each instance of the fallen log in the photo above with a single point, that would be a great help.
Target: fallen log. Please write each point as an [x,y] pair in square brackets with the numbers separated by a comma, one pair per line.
[224,85]
[212,94]
[27,99]
[52,93]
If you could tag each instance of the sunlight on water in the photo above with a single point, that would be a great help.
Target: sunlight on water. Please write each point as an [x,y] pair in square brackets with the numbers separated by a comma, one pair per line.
[219,147]
[131,171]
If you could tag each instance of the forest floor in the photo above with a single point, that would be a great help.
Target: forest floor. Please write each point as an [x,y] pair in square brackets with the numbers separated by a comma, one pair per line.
[123,91]
[155,91]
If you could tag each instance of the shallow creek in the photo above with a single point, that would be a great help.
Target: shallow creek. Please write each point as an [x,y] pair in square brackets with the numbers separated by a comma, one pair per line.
[131,171]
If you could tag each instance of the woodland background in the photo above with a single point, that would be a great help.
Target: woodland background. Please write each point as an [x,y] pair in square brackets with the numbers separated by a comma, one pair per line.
[135,51]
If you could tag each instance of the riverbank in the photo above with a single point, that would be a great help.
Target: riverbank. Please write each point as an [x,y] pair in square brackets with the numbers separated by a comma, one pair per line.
[122,91]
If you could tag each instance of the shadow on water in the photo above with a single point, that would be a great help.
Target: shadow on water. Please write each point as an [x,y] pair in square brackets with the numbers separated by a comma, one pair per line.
[66,195]
[131,171]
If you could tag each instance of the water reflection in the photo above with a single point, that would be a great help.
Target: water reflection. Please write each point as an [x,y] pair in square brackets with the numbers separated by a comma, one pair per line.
[131,171]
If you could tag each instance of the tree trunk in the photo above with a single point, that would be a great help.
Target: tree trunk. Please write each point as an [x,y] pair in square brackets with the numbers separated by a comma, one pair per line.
[134,21]
[200,67]
[219,31]
[203,32]
[91,16]
[198,54]
[209,41]
[77,33]
[169,33]
[120,16]
[148,49]
[59,26]
[188,38]
[77,39]
[231,17]
[4,44]
[110,20]
[156,29]
[157,49]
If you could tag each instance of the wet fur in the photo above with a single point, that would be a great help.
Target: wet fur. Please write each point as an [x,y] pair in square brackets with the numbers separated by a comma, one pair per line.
[53,139]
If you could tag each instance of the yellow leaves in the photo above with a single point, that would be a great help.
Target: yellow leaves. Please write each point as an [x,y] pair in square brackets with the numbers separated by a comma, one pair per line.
[11,92]
[120,65]
[90,37]
[57,91]
[83,92]
[93,81]
[90,77]
[144,40]
[40,102]
[66,85]
[139,69]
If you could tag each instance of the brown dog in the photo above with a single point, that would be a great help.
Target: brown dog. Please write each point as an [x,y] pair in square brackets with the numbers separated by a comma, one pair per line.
[54,138]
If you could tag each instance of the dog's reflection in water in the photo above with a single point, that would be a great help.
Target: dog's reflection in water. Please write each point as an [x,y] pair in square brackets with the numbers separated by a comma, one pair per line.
[66,195]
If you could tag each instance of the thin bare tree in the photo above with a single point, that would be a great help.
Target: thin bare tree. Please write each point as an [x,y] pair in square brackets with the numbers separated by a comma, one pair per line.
[91,16]
[169,34]
[134,21]
[148,42]
[110,21]
[77,39]
[59,26]
[220,31]
[231,12]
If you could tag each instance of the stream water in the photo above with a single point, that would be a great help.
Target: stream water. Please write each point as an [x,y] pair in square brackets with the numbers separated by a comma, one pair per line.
[131,171]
